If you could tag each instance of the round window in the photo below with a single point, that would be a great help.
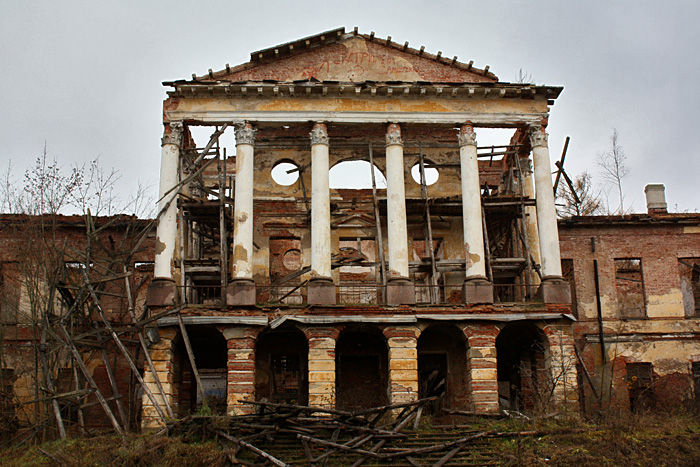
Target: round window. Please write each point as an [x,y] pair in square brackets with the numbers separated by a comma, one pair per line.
[431,174]
[285,173]
[292,260]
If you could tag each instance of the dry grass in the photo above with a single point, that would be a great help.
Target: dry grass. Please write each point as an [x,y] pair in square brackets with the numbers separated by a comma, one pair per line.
[616,440]
[619,440]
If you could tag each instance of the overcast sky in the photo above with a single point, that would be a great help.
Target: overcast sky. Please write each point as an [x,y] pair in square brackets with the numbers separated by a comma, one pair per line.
[85,77]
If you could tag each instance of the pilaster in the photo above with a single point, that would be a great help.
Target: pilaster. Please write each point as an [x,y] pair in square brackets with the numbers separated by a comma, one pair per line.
[322,366]
[162,354]
[240,369]
[403,362]
[482,367]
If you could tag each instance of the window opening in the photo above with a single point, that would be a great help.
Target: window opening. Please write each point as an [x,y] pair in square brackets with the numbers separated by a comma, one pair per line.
[431,174]
[639,383]
[567,269]
[285,173]
[629,283]
[689,270]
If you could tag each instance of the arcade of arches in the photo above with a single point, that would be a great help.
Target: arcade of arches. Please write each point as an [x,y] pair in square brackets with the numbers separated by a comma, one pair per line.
[472,366]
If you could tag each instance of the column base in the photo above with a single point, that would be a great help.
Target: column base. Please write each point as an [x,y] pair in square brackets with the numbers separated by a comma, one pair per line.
[240,292]
[162,291]
[477,289]
[321,291]
[554,289]
[400,291]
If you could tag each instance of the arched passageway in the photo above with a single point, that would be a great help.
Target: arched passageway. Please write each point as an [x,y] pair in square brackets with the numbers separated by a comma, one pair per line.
[210,355]
[281,366]
[523,374]
[362,374]
[442,367]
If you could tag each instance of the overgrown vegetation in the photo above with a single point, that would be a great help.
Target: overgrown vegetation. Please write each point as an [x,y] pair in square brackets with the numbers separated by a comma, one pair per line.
[658,439]
[622,440]
[62,276]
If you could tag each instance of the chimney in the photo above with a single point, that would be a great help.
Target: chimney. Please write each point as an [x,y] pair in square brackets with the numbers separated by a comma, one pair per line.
[656,198]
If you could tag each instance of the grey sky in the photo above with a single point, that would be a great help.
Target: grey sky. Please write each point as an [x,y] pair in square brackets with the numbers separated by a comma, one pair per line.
[86,76]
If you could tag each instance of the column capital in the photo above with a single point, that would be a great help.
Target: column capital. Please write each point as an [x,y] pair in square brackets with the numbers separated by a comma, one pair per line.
[245,134]
[319,134]
[466,136]
[538,137]
[174,136]
[526,166]
[393,134]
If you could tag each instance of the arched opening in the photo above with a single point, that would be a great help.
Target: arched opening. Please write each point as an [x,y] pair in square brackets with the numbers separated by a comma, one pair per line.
[281,366]
[362,369]
[285,173]
[355,175]
[523,375]
[210,355]
[431,173]
[442,367]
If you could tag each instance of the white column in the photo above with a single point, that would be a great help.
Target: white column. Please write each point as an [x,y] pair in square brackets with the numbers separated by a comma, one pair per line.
[471,204]
[166,232]
[531,217]
[396,204]
[546,212]
[320,204]
[243,207]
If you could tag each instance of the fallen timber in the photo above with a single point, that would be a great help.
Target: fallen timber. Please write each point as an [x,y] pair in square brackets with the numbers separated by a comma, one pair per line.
[295,435]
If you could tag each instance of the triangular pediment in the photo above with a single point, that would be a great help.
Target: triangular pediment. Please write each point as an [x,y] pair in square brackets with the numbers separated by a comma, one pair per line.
[351,57]
[354,220]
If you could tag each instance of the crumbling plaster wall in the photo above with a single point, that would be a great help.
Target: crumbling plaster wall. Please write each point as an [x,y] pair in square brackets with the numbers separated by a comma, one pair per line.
[659,248]
[283,206]
[213,109]
[664,337]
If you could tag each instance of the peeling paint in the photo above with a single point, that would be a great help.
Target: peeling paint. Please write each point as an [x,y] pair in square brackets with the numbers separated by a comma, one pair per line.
[240,254]
[160,246]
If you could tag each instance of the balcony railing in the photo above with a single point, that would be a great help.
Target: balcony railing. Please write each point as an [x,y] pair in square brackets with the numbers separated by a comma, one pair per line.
[360,293]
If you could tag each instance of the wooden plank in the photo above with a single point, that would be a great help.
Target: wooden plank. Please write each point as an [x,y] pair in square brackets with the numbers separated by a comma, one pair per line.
[124,351]
[190,354]
[379,240]
[79,360]
[429,229]
[144,347]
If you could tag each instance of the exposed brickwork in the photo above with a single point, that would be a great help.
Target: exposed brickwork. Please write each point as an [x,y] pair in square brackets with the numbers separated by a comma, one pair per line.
[663,335]
[163,355]
[322,365]
[403,362]
[366,60]
[482,367]
[241,369]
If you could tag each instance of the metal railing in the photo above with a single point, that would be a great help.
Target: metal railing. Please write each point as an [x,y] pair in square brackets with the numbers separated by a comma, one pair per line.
[360,293]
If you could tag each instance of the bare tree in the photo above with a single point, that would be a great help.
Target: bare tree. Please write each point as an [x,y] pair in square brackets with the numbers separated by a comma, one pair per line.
[49,188]
[96,190]
[587,201]
[613,165]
